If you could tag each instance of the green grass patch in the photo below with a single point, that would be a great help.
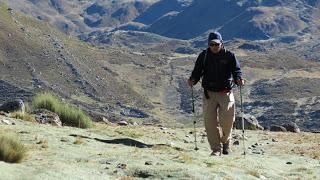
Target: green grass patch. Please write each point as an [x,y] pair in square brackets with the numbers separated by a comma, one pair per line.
[11,149]
[68,115]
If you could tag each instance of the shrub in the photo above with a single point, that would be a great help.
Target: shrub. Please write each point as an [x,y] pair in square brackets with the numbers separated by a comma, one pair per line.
[68,115]
[11,149]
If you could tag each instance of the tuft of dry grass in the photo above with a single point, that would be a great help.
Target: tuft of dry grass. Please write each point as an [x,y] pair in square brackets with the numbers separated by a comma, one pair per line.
[254,173]
[44,143]
[127,131]
[78,141]
[68,114]
[185,158]
[23,116]
[11,149]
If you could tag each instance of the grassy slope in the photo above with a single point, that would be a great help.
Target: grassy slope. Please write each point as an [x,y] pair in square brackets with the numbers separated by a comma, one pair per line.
[52,154]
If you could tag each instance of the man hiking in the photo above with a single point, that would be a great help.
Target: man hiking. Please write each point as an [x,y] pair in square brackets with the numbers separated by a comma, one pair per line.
[219,69]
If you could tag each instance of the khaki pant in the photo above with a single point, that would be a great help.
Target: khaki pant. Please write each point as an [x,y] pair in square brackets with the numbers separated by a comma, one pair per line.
[219,115]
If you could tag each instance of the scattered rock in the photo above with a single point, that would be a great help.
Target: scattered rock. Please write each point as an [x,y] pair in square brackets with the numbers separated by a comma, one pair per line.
[122,166]
[250,122]
[148,163]
[24,132]
[104,162]
[44,116]
[274,140]
[123,123]
[236,143]
[7,122]
[63,139]
[105,120]
[256,152]
[142,174]
[4,114]
[13,106]
[289,163]
[277,128]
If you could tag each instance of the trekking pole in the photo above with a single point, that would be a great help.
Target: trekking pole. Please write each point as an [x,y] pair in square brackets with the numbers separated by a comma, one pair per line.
[242,121]
[194,121]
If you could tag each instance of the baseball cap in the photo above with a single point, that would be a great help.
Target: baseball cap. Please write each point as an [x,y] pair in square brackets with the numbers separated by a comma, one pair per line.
[215,37]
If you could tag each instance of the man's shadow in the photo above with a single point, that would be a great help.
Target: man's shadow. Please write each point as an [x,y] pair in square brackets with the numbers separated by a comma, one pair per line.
[124,141]
[129,142]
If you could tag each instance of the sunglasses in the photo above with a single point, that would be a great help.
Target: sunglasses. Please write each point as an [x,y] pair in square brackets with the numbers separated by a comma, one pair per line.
[214,44]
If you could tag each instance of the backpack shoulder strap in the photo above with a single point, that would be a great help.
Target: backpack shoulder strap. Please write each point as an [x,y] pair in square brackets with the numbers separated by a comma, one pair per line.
[205,58]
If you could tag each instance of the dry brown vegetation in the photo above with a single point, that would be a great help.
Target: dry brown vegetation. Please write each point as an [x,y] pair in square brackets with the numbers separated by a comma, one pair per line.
[11,149]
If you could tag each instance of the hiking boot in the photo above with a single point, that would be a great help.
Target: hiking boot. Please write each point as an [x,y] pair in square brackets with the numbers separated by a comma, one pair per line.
[226,149]
[215,153]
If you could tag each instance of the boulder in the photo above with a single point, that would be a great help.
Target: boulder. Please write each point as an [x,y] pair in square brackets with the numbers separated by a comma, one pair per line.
[250,122]
[277,128]
[291,127]
[44,116]
[13,106]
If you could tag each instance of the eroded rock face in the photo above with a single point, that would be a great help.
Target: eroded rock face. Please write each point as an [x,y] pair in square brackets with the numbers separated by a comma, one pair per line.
[13,106]
[250,122]
[44,116]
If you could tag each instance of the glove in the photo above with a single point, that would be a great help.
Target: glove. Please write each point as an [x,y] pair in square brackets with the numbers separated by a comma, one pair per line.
[190,82]
[240,82]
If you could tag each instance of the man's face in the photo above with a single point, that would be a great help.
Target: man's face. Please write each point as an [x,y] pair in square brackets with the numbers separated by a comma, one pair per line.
[215,47]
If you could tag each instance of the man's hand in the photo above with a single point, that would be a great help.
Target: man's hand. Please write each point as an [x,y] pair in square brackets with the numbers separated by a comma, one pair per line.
[190,82]
[240,82]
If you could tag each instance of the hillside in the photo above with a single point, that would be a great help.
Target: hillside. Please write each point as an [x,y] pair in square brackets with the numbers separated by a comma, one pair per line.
[137,152]
[35,58]
[101,81]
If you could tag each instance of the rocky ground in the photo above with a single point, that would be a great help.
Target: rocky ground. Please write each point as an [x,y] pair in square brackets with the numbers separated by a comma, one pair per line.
[109,151]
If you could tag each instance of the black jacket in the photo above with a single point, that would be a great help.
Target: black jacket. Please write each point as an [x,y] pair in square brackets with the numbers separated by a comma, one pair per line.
[218,70]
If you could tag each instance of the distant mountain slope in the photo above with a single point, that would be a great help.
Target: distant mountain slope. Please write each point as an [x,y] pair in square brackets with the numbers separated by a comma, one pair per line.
[159,9]
[181,19]
[237,19]
[75,16]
